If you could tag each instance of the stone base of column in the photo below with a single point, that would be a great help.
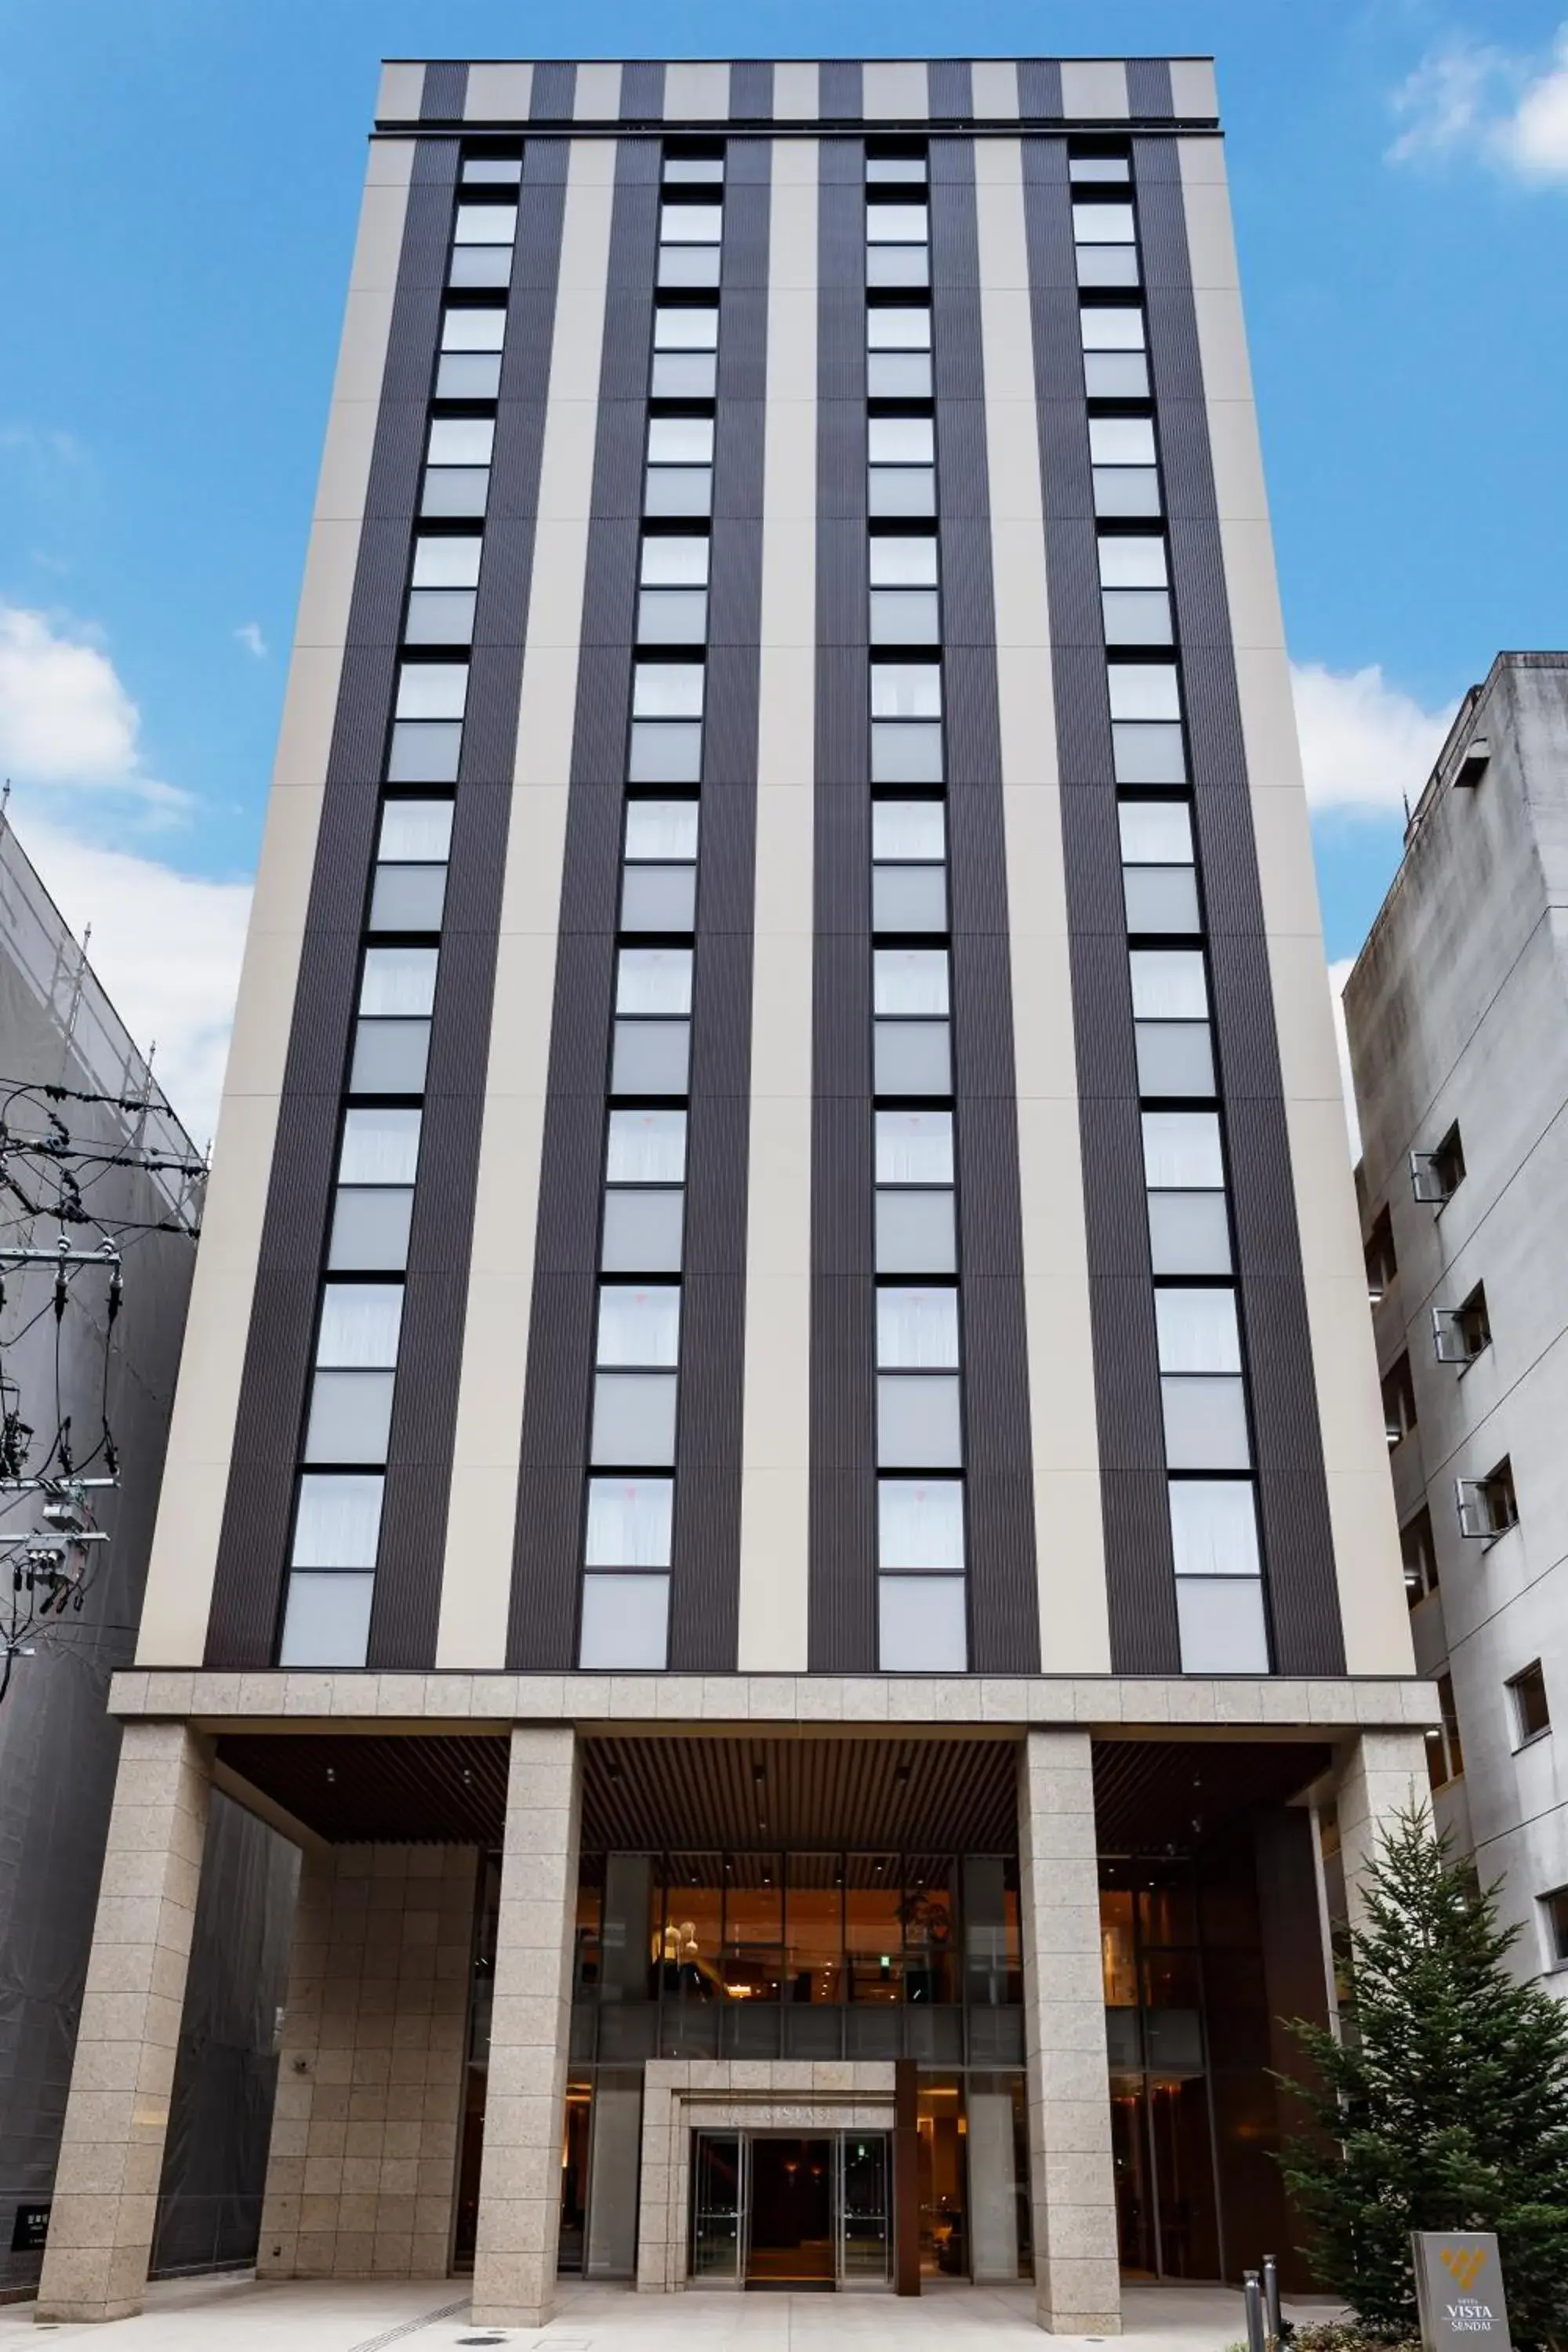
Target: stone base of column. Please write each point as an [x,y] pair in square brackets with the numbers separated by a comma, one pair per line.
[1072,2186]
[531,2016]
[117,2117]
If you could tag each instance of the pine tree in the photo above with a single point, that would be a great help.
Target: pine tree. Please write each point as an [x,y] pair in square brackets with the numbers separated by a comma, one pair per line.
[1444,2107]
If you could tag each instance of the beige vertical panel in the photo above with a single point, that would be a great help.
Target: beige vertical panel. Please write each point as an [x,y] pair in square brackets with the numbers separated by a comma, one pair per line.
[1094,87]
[1193,97]
[402,91]
[201,1435]
[696,92]
[1075,1635]
[796,96]
[499,93]
[775,1431]
[597,97]
[476,1584]
[896,90]
[1360,1506]
[994,85]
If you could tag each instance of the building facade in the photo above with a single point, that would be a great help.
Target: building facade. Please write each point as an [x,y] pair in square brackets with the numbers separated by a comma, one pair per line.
[777,1472]
[1459,1043]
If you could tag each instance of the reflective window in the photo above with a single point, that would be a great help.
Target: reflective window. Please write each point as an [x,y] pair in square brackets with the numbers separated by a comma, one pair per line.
[638,1327]
[917,1330]
[646,1146]
[629,1522]
[919,1523]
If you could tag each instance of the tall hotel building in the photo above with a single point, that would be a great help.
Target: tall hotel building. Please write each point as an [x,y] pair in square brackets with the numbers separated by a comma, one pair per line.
[778,1470]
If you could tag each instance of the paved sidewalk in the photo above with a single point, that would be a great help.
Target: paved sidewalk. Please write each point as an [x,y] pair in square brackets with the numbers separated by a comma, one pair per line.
[242,2314]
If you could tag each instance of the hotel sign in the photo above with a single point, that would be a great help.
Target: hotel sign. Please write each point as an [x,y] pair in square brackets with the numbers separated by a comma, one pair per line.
[1458,2290]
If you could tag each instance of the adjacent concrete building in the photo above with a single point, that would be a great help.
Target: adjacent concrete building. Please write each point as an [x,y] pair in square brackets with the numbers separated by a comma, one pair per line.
[1457,1016]
[66,1056]
[777,1470]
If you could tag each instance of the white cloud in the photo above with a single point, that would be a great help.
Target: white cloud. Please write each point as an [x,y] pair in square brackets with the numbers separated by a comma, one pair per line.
[1365,744]
[1469,96]
[1338,975]
[248,634]
[66,717]
[166,945]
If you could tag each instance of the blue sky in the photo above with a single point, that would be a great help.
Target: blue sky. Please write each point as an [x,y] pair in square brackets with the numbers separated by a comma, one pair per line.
[178,187]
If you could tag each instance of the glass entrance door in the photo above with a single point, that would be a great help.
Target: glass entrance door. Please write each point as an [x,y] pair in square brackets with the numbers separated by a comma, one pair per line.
[719,2207]
[865,2235]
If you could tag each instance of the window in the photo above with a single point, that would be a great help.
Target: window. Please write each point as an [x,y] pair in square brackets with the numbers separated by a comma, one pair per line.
[634,1419]
[456,467]
[901,455]
[1200,1384]
[469,364]
[392,1036]
[672,600]
[427,722]
[904,606]
[490,166]
[1159,874]
[667,723]
[408,892]
[909,876]
[898,353]
[1105,236]
[897,224]
[658,879]
[1489,1507]
[1222,1625]
[1183,1167]
[910,1033]
[441,595]
[1134,591]
[1122,456]
[1554,1915]
[625,1624]
[1382,1264]
[1115,362]
[685,352]
[486,227]
[1145,723]
[374,1199]
[906,722]
[638,1329]
[1444,1753]
[1436,1176]
[1460,1333]
[1170,1013]
[1527,1694]
[1398,1400]
[679,479]
[690,220]
[914,1198]
[1419,1555]
[920,1625]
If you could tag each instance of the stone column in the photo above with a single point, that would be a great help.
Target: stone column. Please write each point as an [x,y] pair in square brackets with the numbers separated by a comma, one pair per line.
[520,2176]
[1072,2188]
[362,2169]
[117,2116]
[1385,1773]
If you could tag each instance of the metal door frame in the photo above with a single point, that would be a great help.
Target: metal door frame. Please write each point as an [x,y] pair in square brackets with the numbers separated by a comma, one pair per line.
[842,2284]
[744,2207]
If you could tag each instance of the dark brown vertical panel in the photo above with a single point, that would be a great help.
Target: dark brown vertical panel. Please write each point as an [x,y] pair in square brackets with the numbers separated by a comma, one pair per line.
[425,1405]
[446,91]
[843,1486]
[253,1542]
[1292,1490]
[1138,1563]
[840,83]
[705,1559]
[950,90]
[553,87]
[642,91]
[559,1380]
[1148,88]
[1003,1609]
[751,90]
[1040,89]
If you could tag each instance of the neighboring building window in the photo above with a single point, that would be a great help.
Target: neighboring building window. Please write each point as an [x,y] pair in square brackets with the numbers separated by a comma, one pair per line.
[1398,1400]
[1419,1555]
[1436,1176]
[1445,1752]
[1527,1694]
[1554,1911]
[1489,1507]
[1460,1333]
[1382,1264]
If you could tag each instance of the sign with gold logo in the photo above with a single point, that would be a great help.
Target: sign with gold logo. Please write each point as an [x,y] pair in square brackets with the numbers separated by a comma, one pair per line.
[1459,2289]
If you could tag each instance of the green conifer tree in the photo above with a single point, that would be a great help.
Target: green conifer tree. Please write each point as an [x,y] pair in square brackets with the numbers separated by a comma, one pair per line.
[1443,2106]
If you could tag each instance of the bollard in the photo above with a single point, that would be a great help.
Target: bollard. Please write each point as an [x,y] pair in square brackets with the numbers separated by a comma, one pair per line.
[1257,2340]
[1271,2302]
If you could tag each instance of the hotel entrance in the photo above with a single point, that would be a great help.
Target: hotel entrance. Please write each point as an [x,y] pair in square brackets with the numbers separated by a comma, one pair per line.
[781,2210]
